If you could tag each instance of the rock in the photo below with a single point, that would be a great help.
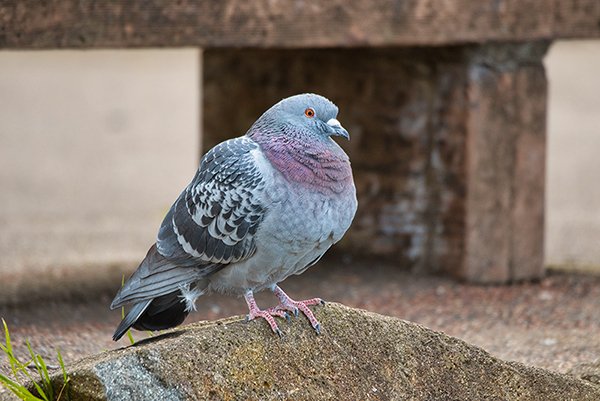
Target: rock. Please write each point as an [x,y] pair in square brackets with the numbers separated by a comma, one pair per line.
[359,355]
[587,371]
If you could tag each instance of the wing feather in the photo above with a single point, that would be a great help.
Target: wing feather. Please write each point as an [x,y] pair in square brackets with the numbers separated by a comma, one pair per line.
[211,224]
[216,217]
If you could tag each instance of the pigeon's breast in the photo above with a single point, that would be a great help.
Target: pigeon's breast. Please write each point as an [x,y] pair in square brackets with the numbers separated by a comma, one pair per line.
[300,226]
[311,217]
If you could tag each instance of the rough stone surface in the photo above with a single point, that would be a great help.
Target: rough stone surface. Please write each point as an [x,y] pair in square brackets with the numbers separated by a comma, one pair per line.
[127,378]
[447,145]
[360,355]
[268,23]
[587,371]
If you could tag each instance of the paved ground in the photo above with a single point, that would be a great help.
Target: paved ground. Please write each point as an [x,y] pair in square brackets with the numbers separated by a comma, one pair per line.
[552,323]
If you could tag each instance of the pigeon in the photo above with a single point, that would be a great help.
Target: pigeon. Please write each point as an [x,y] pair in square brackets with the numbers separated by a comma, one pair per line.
[261,207]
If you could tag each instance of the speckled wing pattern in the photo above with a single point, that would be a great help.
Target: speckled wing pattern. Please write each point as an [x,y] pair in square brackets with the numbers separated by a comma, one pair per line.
[212,224]
[216,217]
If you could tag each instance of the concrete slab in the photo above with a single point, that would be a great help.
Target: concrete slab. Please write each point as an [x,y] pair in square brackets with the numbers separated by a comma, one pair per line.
[573,172]
[95,146]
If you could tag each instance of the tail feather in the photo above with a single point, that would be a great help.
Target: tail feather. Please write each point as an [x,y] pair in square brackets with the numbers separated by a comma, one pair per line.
[157,276]
[132,316]
[162,291]
[163,313]
[156,314]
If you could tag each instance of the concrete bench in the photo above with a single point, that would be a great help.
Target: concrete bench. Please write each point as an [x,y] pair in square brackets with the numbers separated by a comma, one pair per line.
[445,101]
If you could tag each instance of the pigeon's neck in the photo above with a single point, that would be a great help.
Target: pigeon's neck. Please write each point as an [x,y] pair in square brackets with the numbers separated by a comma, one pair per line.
[320,165]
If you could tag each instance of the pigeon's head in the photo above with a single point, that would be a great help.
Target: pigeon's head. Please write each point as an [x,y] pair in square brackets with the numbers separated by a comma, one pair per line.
[306,113]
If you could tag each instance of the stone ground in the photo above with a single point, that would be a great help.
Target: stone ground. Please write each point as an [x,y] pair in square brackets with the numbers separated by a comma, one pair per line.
[551,323]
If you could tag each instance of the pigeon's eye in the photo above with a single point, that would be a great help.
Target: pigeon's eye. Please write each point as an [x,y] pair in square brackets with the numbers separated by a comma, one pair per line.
[310,113]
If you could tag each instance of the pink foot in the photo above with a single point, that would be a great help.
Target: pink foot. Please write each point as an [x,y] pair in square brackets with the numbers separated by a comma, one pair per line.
[287,303]
[267,314]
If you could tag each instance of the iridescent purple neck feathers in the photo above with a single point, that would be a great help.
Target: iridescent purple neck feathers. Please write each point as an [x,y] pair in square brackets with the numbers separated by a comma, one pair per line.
[317,163]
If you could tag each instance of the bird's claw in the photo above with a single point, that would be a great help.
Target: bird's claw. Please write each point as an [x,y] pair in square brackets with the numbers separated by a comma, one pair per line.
[268,315]
[302,306]
[286,304]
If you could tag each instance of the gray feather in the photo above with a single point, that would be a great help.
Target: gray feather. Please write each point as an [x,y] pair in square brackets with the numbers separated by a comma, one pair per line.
[157,276]
[216,216]
[132,316]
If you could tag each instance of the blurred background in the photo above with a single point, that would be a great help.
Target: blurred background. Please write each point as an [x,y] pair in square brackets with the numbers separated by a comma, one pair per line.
[95,147]
[97,144]
[573,166]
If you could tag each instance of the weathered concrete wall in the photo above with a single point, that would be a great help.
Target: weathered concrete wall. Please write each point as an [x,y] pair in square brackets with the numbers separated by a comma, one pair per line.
[573,196]
[447,145]
[279,24]
[505,163]
[94,148]
[404,115]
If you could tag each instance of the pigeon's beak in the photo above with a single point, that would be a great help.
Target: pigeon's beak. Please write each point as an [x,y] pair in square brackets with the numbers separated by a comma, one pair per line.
[336,129]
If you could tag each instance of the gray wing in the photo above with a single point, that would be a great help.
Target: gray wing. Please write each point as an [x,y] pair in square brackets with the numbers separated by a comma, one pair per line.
[211,224]
[217,215]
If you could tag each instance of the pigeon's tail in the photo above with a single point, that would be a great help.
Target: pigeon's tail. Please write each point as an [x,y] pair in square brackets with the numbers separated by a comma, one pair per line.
[156,314]
[163,293]
[129,320]
[156,276]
